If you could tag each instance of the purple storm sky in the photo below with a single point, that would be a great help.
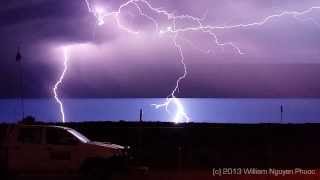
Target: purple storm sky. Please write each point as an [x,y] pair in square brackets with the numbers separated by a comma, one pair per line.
[282,57]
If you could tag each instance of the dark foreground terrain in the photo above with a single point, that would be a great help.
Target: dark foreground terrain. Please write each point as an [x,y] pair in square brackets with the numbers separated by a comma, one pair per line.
[167,145]
[189,151]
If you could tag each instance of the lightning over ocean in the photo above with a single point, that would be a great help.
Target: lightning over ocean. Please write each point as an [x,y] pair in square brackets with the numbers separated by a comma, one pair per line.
[169,24]
[59,82]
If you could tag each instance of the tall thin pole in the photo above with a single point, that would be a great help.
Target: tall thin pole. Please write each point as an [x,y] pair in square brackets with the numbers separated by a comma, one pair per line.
[141,114]
[18,59]
[281,113]
[140,135]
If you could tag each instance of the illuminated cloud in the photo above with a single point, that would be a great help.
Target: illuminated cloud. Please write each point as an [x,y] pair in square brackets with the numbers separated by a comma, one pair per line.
[121,64]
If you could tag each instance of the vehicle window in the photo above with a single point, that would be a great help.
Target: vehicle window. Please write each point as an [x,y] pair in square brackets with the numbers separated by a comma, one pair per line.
[57,136]
[29,135]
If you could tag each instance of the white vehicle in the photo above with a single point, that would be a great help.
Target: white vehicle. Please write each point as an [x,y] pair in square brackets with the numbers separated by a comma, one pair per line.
[42,149]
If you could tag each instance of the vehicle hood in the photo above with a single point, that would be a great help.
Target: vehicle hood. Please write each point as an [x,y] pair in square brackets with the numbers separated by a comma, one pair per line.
[100,149]
[106,145]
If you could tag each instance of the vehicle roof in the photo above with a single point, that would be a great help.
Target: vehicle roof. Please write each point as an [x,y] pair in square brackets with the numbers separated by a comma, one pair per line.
[43,126]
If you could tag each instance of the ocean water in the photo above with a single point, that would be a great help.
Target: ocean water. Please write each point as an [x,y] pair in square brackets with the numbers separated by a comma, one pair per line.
[215,110]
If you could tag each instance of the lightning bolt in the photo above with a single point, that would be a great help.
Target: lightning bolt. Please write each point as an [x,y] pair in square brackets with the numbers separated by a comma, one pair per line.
[174,31]
[180,112]
[59,82]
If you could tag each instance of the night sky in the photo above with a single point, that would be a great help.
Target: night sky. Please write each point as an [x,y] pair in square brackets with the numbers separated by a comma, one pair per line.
[282,57]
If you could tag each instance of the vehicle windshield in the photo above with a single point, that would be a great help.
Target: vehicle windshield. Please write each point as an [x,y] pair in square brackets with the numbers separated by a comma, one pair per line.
[79,136]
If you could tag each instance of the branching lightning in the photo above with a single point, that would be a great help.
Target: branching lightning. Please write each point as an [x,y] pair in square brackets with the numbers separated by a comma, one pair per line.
[174,32]
[172,98]
[59,82]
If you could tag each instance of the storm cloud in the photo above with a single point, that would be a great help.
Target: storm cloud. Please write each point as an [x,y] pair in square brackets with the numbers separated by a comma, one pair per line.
[281,58]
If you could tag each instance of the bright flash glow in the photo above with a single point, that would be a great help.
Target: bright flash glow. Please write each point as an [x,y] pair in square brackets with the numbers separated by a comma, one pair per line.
[173,31]
[99,10]
[100,14]
[59,82]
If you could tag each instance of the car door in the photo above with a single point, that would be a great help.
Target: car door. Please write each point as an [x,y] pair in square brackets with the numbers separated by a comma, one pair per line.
[63,151]
[26,155]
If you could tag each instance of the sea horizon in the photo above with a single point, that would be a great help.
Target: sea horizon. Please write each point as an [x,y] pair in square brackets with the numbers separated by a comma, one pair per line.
[211,110]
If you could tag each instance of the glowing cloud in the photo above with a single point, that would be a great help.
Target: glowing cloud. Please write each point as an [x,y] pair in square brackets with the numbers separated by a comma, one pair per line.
[173,31]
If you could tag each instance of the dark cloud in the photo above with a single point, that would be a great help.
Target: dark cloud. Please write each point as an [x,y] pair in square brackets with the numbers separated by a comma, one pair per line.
[281,57]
